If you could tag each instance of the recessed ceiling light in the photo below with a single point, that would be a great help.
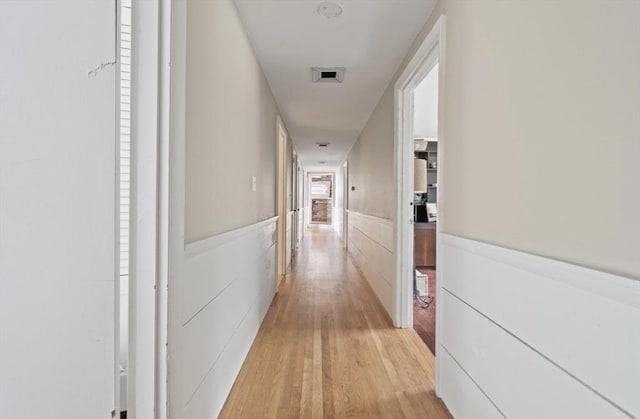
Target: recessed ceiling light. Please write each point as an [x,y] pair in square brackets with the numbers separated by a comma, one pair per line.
[329,9]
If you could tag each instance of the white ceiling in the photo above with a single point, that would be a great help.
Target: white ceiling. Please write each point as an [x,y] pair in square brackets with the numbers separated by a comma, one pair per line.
[370,39]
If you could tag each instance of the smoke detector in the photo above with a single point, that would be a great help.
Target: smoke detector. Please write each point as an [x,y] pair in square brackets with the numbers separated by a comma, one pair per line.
[327,74]
[329,10]
[421,144]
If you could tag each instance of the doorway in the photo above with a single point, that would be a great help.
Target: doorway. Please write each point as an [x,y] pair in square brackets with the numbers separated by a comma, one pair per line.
[420,186]
[425,203]
[321,198]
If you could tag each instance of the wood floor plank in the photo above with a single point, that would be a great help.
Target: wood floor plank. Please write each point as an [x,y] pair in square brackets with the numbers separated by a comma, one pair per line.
[327,349]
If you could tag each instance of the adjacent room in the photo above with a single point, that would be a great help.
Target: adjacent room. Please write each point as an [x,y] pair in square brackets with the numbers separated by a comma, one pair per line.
[425,188]
[321,198]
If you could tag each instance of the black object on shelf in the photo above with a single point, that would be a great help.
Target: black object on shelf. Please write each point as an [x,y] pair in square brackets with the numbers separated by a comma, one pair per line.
[421,214]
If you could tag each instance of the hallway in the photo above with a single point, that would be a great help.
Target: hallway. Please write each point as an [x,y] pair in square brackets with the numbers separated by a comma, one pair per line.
[327,349]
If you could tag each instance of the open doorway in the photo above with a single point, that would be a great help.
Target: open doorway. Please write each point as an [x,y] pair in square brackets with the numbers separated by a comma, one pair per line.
[425,203]
[321,198]
[419,155]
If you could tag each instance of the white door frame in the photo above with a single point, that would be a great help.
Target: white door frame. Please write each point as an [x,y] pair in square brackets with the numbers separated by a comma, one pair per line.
[294,204]
[428,54]
[143,275]
[281,193]
[345,202]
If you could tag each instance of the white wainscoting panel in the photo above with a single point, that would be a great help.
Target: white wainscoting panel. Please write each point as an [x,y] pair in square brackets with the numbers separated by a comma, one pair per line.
[539,337]
[230,281]
[289,239]
[301,224]
[338,216]
[370,244]
[464,400]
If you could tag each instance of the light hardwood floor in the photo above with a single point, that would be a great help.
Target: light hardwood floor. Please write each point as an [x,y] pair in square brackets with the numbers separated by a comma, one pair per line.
[327,349]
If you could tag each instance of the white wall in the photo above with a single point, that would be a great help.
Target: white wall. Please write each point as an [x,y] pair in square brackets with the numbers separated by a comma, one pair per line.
[57,209]
[144,210]
[222,235]
[559,128]
[534,119]
[371,163]
[230,125]
[539,130]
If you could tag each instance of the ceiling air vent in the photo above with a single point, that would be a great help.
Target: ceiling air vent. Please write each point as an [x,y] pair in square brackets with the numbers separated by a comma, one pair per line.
[328,75]
[323,145]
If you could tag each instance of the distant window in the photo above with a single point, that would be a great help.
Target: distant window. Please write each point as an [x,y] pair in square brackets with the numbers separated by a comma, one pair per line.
[319,189]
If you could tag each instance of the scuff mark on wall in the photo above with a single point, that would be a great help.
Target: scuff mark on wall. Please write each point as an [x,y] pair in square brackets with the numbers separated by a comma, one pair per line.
[94,72]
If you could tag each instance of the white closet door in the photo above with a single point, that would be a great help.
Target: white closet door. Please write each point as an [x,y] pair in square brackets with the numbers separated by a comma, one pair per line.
[57,209]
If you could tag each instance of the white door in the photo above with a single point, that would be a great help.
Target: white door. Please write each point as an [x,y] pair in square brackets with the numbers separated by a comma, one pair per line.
[57,209]
[300,204]
[294,204]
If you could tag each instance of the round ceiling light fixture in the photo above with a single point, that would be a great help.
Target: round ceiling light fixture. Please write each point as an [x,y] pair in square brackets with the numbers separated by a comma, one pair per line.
[329,9]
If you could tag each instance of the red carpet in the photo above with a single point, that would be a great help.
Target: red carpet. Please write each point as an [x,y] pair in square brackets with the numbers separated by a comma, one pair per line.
[424,319]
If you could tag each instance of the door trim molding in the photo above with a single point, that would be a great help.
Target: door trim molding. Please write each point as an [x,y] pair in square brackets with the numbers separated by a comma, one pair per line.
[430,52]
